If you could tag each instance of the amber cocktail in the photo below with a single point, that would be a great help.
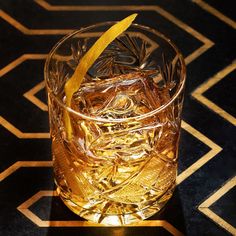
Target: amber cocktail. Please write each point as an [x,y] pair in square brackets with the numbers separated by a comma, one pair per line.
[120,165]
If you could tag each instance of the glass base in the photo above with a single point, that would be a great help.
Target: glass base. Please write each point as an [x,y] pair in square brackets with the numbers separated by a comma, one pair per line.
[118,219]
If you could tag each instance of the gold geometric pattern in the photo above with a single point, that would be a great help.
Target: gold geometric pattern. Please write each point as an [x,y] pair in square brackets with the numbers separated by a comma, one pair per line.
[216,13]
[24,209]
[10,127]
[206,42]
[205,206]
[17,165]
[23,29]
[18,133]
[20,60]
[198,93]
[30,95]
[215,149]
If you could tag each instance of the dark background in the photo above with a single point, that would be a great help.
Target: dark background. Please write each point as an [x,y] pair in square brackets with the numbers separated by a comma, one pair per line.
[205,33]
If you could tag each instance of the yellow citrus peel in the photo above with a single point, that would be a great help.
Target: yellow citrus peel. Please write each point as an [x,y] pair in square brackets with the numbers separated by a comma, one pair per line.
[73,84]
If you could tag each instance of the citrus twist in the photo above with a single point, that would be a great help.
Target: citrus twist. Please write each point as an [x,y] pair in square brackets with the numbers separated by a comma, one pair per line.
[73,84]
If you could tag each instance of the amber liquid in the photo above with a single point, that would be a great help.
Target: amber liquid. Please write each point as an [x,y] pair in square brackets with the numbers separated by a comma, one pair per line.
[117,172]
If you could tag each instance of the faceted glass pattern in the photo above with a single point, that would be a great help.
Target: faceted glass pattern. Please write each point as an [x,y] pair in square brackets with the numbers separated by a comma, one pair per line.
[121,164]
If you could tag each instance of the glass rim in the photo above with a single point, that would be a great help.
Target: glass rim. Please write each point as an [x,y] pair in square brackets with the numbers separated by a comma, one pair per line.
[119,120]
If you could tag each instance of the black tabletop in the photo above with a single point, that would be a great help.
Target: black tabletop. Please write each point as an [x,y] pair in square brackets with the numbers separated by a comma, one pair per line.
[204,201]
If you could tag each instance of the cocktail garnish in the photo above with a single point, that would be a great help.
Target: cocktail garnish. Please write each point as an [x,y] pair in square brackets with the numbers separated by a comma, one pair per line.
[73,84]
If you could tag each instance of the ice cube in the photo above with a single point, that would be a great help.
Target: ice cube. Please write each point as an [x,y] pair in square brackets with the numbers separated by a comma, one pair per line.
[120,97]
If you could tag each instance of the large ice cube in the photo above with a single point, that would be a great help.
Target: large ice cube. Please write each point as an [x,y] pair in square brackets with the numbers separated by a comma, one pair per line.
[124,96]
[120,97]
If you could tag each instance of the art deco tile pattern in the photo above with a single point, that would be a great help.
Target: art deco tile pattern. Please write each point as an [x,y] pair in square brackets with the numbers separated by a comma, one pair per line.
[205,33]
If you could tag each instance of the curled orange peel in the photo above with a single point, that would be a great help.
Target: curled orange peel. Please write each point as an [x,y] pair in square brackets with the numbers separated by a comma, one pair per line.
[73,84]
